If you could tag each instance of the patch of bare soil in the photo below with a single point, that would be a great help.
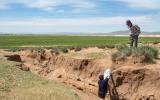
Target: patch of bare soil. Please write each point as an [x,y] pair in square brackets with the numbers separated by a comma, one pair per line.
[128,82]
[130,61]
[90,53]
[156,44]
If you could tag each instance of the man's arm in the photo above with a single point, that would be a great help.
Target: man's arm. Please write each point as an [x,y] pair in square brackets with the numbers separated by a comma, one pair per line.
[107,74]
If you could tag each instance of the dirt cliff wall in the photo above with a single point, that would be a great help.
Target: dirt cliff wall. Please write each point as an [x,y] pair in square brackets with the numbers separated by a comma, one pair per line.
[126,82]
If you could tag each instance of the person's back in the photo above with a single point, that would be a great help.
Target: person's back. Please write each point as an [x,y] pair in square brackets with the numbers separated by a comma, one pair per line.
[103,83]
[135,30]
[102,88]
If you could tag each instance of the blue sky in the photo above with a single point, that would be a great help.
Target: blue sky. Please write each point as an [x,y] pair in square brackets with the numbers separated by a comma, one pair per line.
[46,16]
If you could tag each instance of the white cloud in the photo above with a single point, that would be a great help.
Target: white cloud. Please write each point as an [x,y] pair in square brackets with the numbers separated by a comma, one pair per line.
[82,4]
[151,4]
[98,24]
[49,4]
[74,21]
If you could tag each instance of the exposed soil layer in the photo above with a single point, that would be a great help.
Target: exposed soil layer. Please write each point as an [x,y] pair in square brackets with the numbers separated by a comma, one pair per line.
[128,82]
[80,73]
[15,57]
[135,83]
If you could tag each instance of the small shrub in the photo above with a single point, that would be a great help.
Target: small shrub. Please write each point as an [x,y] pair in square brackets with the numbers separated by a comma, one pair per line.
[121,46]
[115,56]
[110,46]
[14,49]
[126,52]
[148,52]
[64,50]
[87,46]
[39,49]
[48,47]
[122,54]
[101,46]
[78,48]
[106,46]
[11,49]
[55,51]
[136,52]
[71,48]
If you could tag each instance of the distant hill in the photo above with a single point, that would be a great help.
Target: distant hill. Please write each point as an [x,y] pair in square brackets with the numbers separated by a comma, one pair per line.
[127,32]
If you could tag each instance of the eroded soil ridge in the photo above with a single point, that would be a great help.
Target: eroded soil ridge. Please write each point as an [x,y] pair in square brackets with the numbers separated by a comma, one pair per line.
[131,82]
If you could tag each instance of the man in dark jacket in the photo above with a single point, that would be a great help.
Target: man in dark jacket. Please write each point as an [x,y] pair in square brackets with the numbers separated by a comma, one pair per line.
[102,86]
[103,83]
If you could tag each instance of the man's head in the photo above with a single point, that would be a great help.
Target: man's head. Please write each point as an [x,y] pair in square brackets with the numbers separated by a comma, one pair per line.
[129,23]
[101,77]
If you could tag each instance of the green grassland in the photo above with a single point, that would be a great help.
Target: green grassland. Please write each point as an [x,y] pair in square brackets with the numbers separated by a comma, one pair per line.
[62,40]
[16,84]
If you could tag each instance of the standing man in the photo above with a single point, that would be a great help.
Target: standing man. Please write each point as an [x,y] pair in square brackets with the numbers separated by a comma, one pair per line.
[135,31]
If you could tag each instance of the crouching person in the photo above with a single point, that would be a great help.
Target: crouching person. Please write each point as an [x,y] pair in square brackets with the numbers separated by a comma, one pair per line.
[103,83]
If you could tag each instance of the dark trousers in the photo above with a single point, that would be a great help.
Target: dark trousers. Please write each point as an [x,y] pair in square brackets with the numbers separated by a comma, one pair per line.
[102,91]
[134,40]
[102,95]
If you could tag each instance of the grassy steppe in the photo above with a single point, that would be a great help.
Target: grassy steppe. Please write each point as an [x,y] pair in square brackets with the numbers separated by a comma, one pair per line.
[53,40]
[16,84]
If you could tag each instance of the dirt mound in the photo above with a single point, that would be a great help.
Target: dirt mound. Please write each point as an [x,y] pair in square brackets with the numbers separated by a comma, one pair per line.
[126,83]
